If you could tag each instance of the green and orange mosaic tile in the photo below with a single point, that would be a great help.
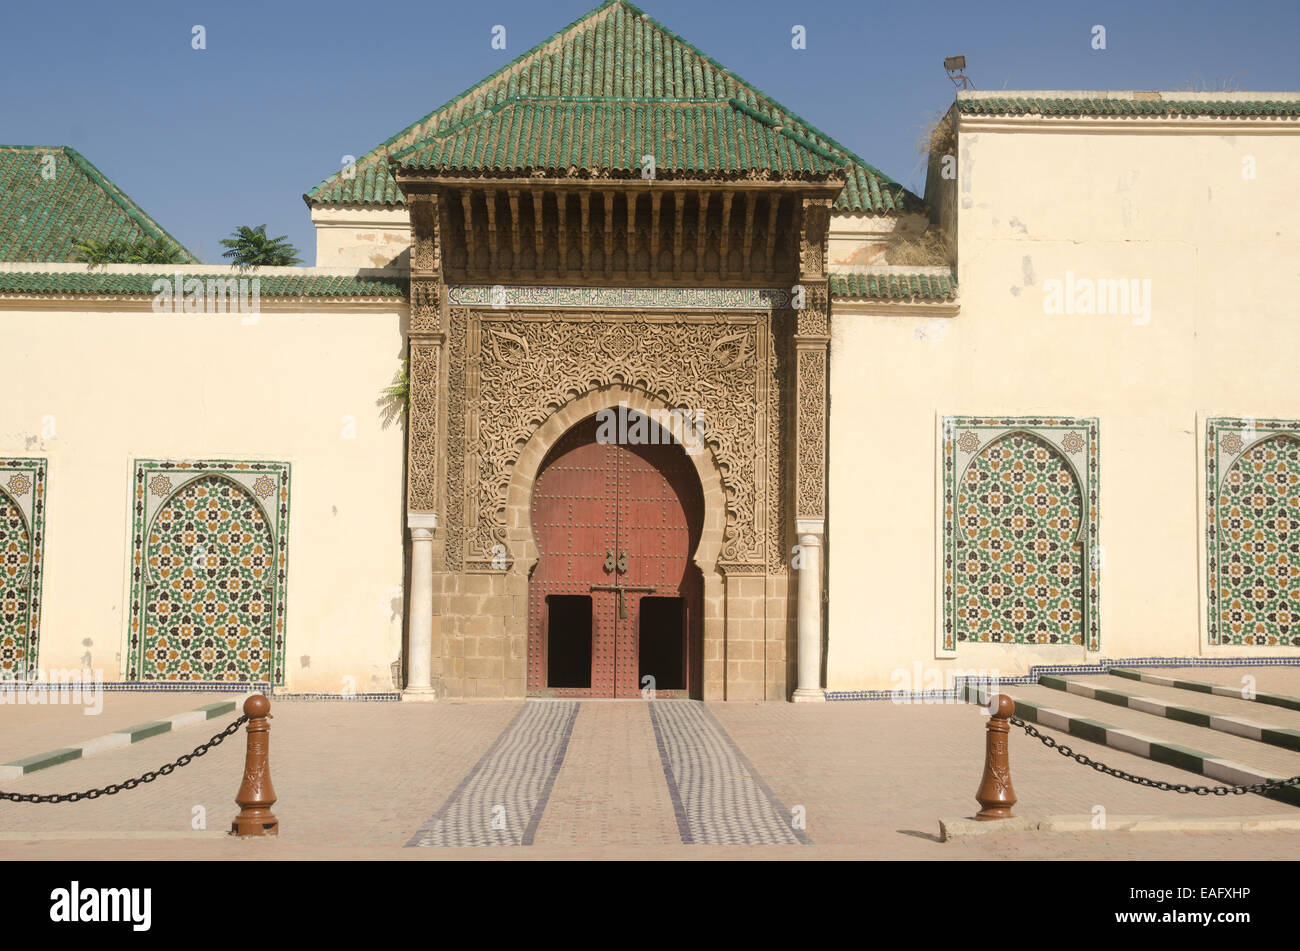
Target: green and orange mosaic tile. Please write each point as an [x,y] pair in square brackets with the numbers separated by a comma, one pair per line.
[22,546]
[1252,486]
[209,560]
[1020,531]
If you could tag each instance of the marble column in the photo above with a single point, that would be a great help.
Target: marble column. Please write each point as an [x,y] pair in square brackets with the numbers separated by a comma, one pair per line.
[419,661]
[809,616]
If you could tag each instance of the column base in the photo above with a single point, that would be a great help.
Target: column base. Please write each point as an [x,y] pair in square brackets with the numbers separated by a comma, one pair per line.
[419,695]
[809,695]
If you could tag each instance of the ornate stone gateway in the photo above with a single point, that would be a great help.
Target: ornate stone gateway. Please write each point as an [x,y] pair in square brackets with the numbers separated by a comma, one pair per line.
[614,602]
[518,365]
[591,234]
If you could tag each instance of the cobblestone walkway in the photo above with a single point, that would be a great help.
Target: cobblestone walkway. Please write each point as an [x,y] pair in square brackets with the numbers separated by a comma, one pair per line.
[502,800]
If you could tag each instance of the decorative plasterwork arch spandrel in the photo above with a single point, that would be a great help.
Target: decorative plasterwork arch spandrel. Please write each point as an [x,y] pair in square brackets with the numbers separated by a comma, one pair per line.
[522,547]
[512,370]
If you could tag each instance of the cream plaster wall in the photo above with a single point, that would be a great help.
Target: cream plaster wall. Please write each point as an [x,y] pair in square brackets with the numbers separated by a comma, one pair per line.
[857,241]
[1160,201]
[119,382]
[362,238]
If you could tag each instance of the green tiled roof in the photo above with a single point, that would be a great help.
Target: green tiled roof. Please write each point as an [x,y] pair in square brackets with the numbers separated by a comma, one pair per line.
[42,219]
[97,282]
[1126,107]
[613,135]
[599,94]
[902,287]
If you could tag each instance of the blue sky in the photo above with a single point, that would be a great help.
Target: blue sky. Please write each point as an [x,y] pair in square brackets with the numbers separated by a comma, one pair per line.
[234,134]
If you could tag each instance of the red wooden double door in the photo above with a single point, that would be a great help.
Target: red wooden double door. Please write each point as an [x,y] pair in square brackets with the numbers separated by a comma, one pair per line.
[615,601]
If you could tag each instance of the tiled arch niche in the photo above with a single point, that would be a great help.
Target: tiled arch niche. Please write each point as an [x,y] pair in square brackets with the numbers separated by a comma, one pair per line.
[1252,482]
[1020,527]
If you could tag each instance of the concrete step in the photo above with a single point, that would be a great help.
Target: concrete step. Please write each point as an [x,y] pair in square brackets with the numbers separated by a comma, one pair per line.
[1221,757]
[1269,687]
[1227,714]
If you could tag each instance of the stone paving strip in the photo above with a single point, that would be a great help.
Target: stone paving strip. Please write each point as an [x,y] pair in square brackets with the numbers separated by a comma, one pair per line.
[1237,726]
[1032,707]
[65,719]
[1205,686]
[117,739]
[503,798]
[964,828]
[718,796]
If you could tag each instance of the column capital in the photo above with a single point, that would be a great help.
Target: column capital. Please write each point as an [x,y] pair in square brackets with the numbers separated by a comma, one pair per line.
[422,521]
[812,527]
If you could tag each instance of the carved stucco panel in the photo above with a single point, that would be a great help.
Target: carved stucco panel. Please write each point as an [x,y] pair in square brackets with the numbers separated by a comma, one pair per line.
[814,317]
[816,213]
[511,370]
[811,451]
[458,323]
[422,445]
[426,312]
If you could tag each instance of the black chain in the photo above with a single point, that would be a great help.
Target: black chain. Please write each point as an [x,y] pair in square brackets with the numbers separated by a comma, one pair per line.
[148,777]
[1155,784]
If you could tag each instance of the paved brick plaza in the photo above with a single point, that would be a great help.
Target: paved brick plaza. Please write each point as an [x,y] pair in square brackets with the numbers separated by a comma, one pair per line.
[362,779]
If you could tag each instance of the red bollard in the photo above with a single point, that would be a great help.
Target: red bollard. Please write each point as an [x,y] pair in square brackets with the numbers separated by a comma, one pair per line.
[995,793]
[256,795]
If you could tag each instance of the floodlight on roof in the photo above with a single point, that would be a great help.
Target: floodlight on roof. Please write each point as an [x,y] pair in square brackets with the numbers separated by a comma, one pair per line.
[956,65]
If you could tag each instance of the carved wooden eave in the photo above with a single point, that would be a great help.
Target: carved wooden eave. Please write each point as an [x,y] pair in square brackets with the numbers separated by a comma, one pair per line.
[465,201]
[655,196]
[538,214]
[724,231]
[584,202]
[581,228]
[609,231]
[599,180]
[516,235]
[702,233]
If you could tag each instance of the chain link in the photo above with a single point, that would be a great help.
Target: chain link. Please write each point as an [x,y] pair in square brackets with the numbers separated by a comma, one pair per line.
[115,788]
[1153,783]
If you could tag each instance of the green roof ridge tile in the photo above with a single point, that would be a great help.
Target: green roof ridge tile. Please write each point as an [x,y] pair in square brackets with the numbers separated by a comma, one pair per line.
[1092,106]
[140,284]
[877,286]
